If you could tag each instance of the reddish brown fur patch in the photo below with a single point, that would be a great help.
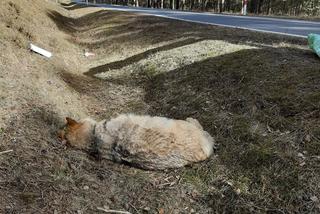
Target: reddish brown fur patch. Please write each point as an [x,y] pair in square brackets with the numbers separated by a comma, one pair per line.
[75,134]
[71,122]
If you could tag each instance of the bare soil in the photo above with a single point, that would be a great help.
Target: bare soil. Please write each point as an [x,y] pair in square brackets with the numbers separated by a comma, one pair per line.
[257,94]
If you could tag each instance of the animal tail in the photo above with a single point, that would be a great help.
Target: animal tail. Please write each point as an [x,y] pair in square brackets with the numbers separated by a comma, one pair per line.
[208,144]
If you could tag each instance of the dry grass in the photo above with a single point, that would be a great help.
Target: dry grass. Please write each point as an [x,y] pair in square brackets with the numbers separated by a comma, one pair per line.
[258,94]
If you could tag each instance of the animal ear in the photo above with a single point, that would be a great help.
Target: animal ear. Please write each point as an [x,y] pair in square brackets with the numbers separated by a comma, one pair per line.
[71,122]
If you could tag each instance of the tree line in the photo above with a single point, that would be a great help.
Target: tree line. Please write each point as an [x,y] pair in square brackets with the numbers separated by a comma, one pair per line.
[265,7]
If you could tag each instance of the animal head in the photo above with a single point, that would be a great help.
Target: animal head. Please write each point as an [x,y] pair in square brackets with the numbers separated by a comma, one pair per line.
[77,134]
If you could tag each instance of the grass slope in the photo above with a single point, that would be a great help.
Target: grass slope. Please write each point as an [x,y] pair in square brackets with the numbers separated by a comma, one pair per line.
[257,94]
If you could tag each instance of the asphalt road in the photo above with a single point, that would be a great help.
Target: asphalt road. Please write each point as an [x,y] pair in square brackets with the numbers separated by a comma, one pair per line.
[290,27]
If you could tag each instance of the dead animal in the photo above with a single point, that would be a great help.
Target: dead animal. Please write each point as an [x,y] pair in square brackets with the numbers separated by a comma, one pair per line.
[142,141]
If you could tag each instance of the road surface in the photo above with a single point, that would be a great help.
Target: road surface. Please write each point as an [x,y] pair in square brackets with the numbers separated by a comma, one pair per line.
[290,27]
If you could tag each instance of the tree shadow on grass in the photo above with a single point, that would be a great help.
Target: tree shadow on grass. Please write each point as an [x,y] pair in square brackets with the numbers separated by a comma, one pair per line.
[100,25]
[86,22]
[283,79]
[239,98]
[258,104]
[73,6]
[112,31]
[135,58]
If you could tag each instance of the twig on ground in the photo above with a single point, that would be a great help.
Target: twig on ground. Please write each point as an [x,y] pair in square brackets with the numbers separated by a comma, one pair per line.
[4,152]
[112,211]
[133,207]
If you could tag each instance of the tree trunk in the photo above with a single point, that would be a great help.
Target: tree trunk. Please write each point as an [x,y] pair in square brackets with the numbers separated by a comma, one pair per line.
[245,7]
[183,4]
[204,5]
[260,6]
[269,7]
[220,6]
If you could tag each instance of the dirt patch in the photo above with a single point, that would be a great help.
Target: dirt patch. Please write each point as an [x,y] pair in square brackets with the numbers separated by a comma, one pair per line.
[257,94]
